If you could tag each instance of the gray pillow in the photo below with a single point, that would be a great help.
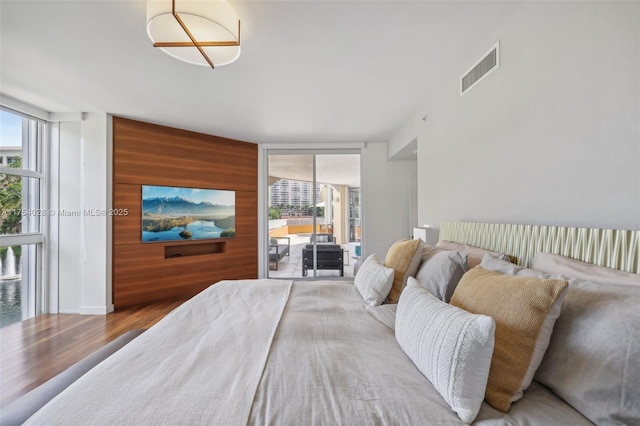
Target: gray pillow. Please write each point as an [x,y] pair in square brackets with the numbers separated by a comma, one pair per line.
[593,358]
[474,254]
[440,271]
[556,264]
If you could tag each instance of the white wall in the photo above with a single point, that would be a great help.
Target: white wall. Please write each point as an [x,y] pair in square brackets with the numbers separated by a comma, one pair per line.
[385,200]
[83,222]
[69,227]
[551,137]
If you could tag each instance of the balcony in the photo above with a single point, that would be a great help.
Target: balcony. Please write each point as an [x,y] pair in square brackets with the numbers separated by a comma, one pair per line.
[299,231]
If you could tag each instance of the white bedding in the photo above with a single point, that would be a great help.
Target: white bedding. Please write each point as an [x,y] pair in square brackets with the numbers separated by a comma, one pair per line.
[200,364]
[278,353]
[334,363]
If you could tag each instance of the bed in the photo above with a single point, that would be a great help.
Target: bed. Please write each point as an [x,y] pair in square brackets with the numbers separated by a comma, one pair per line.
[283,352]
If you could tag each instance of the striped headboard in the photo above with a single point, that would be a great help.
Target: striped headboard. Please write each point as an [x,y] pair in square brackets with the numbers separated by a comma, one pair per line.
[612,248]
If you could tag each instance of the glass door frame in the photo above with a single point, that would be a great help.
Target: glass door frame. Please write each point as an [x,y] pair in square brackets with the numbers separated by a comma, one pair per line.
[263,194]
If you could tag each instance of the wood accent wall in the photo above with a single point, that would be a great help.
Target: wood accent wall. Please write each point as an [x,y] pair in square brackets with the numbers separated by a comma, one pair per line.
[148,154]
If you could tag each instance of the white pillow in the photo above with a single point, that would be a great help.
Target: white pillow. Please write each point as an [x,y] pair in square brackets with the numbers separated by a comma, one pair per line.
[374,281]
[450,346]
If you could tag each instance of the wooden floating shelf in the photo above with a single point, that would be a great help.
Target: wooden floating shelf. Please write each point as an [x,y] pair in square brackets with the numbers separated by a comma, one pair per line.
[194,249]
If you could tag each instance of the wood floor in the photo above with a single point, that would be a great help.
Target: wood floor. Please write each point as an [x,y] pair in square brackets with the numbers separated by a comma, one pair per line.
[35,350]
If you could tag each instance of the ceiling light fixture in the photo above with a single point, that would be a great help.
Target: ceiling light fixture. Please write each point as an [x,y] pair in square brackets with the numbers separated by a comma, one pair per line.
[200,32]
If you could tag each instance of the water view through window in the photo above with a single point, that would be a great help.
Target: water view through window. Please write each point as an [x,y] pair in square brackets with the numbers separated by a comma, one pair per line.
[21,215]
[10,285]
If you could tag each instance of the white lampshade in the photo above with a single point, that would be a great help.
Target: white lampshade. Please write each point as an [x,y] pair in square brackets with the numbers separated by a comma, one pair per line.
[213,25]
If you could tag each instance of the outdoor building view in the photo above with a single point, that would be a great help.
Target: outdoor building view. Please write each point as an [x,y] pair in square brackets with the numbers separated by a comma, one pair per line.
[288,198]
[295,205]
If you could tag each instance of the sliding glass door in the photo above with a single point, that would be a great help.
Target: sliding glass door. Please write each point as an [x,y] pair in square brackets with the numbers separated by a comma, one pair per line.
[314,213]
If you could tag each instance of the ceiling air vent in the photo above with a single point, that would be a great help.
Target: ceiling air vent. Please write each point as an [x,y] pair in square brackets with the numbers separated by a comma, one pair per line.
[480,70]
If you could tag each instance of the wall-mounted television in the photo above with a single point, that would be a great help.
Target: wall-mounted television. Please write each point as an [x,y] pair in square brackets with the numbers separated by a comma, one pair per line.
[174,214]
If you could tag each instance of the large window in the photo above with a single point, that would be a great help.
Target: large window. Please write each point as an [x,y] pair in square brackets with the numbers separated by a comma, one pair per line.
[22,216]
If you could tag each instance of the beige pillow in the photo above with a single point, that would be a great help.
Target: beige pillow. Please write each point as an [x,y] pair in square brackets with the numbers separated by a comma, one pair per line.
[474,254]
[492,263]
[404,258]
[519,306]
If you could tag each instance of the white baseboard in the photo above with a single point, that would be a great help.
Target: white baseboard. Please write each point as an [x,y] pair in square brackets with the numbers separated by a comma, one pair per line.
[96,310]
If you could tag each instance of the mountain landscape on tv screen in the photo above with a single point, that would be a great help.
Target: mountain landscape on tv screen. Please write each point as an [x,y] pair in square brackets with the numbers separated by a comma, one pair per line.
[182,206]
[166,218]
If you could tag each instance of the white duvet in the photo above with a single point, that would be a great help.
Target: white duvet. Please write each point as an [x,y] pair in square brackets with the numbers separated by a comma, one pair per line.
[200,365]
[267,352]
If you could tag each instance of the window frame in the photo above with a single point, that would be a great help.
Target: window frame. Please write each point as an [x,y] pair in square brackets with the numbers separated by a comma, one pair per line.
[314,151]
[34,166]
